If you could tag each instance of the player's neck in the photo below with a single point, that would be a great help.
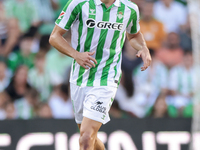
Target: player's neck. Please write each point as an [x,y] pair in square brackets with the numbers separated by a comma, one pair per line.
[108,3]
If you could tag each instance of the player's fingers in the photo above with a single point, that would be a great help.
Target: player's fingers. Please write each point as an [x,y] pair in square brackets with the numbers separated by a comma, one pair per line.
[149,61]
[84,66]
[146,63]
[93,59]
[143,68]
[139,54]
[144,59]
[91,53]
[89,65]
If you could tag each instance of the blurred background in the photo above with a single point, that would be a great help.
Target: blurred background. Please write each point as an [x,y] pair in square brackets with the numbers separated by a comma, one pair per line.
[34,76]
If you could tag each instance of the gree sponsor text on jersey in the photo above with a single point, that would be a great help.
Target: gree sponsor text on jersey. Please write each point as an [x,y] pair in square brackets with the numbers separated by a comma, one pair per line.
[91,23]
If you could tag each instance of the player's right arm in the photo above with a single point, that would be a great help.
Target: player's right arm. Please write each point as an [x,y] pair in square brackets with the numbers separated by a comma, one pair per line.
[63,24]
[57,40]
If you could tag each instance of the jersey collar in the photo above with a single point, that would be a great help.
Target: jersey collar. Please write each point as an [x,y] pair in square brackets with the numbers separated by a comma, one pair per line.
[116,3]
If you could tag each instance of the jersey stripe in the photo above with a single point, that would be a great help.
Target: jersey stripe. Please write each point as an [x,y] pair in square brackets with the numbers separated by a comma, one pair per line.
[76,35]
[78,48]
[94,43]
[89,37]
[134,21]
[120,44]
[72,18]
[74,42]
[68,20]
[82,41]
[113,49]
[107,45]
[100,47]
[133,24]
[118,66]
[64,9]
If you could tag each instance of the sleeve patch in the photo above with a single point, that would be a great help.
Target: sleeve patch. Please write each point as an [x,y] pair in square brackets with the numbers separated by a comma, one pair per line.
[61,15]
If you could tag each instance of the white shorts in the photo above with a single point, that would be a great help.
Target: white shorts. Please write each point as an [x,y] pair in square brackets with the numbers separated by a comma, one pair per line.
[92,102]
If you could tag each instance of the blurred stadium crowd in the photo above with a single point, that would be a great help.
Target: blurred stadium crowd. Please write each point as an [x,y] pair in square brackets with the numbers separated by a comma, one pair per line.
[34,76]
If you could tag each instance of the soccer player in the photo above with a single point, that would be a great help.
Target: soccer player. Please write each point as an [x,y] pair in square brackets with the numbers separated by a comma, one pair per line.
[99,28]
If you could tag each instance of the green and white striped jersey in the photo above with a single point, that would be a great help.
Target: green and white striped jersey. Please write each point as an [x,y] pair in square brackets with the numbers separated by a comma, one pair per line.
[97,28]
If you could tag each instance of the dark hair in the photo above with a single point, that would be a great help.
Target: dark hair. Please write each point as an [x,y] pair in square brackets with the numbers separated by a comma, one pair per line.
[30,34]
[32,31]
[64,88]
[44,43]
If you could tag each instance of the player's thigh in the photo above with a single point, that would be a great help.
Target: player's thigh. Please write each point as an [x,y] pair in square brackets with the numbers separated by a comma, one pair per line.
[89,127]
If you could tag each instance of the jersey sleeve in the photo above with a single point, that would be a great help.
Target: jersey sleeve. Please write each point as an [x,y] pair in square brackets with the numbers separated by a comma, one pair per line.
[134,26]
[68,15]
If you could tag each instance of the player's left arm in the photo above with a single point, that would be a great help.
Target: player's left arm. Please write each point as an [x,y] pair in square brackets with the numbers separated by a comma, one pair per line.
[138,43]
[136,38]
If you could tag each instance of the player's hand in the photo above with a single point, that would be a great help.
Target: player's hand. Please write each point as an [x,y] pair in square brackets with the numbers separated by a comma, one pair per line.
[85,60]
[146,57]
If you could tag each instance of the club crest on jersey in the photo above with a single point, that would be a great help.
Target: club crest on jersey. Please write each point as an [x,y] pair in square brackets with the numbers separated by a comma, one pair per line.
[92,12]
[61,15]
[91,23]
[120,15]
